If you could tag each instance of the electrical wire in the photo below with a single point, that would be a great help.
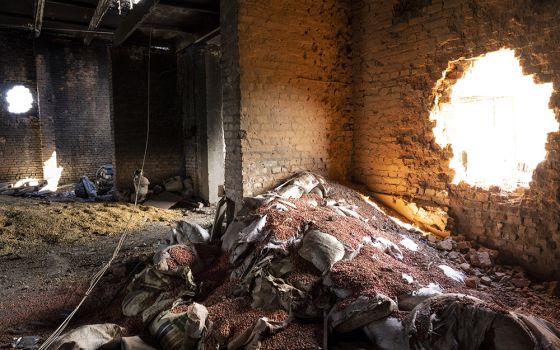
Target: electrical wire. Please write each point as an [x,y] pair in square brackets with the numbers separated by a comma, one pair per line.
[149,90]
[97,277]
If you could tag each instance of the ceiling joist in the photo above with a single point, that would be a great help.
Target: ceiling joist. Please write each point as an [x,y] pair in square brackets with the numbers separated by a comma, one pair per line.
[74,4]
[134,20]
[100,10]
[190,6]
[38,20]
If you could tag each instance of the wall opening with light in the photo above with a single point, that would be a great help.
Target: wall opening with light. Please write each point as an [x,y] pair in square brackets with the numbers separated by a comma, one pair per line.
[496,120]
[19,99]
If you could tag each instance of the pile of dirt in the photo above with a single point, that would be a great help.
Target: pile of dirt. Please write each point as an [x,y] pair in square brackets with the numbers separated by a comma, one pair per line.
[26,223]
[313,264]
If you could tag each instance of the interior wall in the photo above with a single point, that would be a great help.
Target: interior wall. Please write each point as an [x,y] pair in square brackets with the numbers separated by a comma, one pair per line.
[294,83]
[400,50]
[231,98]
[165,157]
[20,134]
[200,96]
[71,114]
[214,125]
[75,106]
[191,92]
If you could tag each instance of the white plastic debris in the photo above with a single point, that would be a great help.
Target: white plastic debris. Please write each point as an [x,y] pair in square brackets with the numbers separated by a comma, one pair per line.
[312,202]
[291,191]
[409,301]
[288,204]
[253,232]
[452,273]
[279,207]
[187,233]
[387,334]
[409,244]
[26,342]
[349,212]
[430,290]
[388,247]
[88,337]
[408,278]
[321,249]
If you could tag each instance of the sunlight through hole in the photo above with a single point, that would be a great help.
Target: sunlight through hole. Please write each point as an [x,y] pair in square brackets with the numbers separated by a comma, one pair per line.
[19,99]
[496,120]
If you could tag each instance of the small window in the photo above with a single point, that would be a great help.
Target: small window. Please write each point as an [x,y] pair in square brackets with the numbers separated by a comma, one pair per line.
[19,99]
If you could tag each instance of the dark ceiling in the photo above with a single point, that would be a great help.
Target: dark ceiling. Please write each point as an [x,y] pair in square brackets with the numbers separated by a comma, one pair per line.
[172,23]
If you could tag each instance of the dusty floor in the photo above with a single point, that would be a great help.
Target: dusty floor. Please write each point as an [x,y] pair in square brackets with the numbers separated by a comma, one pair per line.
[28,223]
[49,250]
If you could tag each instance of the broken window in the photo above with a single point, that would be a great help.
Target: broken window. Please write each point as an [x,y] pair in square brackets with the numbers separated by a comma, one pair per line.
[19,99]
[495,118]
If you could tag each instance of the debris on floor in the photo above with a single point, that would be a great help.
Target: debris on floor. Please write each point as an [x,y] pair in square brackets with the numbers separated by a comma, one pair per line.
[27,342]
[315,265]
[26,224]
[85,188]
[163,200]
[174,191]
[104,179]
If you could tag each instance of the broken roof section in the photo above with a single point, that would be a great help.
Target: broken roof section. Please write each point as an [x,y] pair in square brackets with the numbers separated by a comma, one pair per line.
[173,24]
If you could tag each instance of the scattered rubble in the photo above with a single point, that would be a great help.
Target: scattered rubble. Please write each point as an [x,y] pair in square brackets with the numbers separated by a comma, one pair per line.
[479,259]
[445,244]
[314,265]
[85,188]
[175,191]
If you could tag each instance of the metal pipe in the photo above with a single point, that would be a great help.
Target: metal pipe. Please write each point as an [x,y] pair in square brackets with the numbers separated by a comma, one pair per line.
[30,28]
[96,32]
[207,36]
[203,38]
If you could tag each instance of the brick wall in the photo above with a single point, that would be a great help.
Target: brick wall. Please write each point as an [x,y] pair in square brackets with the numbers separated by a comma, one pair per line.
[71,114]
[200,91]
[75,99]
[191,86]
[130,107]
[294,75]
[229,13]
[400,49]
[20,134]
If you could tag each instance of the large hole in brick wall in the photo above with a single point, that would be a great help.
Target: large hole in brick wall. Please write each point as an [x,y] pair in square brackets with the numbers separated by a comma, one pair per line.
[495,118]
[19,99]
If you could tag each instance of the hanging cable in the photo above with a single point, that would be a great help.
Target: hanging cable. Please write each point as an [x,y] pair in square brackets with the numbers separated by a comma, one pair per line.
[149,90]
[97,277]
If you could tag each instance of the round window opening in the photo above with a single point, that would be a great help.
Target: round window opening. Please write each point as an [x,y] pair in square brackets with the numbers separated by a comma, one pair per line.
[495,118]
[19,99]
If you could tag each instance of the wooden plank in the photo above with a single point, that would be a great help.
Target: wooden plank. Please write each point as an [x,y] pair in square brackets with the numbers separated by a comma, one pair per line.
[135,18]
[12,20]
[56,10]
[72,4]
[189,6]
[38,22]
[100,10]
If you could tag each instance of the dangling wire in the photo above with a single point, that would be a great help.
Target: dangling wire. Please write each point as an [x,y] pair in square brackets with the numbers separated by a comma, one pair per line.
[97,277]
[149,93]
